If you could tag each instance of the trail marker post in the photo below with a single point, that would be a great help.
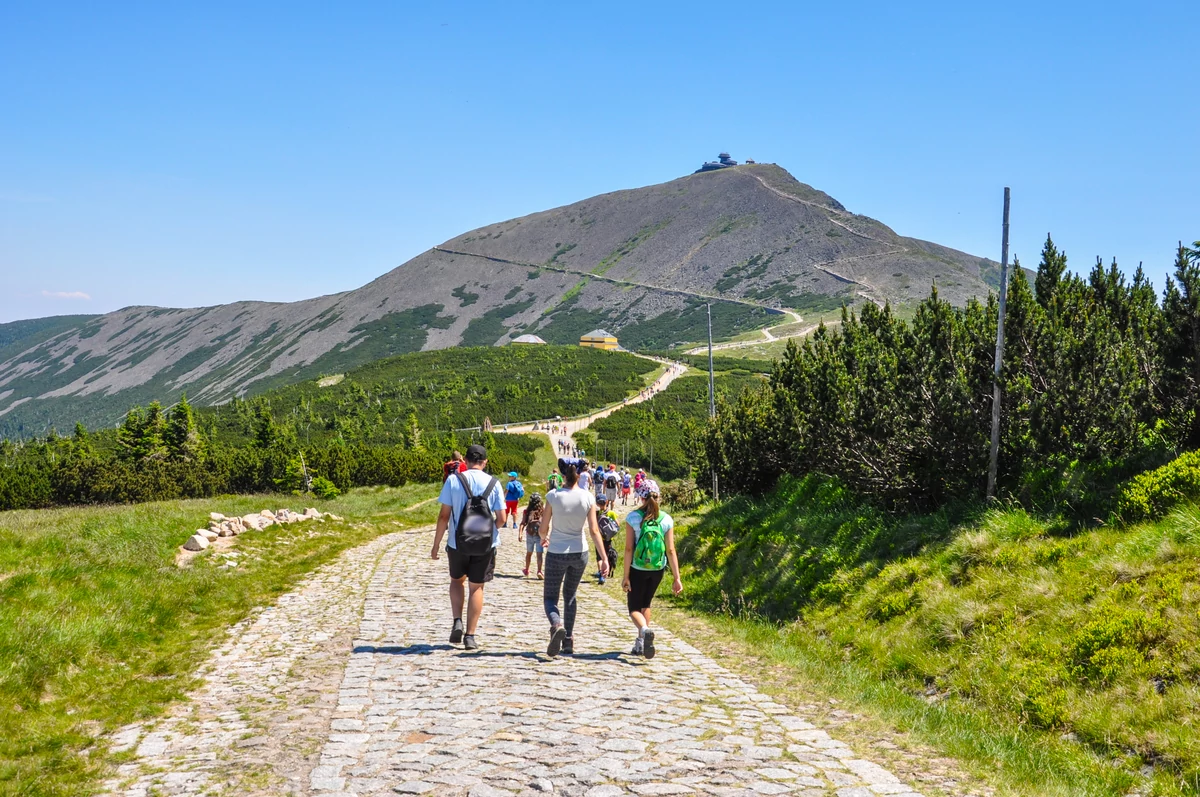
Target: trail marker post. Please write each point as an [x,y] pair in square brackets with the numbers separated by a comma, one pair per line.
[995,452]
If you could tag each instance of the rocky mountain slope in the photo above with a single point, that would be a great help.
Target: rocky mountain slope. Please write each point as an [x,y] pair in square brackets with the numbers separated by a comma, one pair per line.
[639,262]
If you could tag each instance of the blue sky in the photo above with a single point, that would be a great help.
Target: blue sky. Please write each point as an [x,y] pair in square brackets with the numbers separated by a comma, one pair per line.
[186,154]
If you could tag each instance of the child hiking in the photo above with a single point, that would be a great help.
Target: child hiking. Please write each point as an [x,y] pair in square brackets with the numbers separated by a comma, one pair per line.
[649,549]
[531,530]
[610,527]
[514,491]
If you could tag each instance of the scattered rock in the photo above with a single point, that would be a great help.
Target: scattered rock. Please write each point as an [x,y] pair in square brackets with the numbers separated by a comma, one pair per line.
[217,516]
[268,514]
[195,543]
[207,534]
[311,513]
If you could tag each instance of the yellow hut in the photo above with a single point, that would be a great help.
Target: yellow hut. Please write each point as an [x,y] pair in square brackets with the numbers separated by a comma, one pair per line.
[599,339]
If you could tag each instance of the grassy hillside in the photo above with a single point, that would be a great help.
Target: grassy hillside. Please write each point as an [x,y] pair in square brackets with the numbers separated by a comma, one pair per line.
[1070,662]
[448,389]
[661,434]
[99,628]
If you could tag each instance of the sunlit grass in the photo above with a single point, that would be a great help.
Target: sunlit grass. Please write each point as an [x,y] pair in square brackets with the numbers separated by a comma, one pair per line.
[100,628]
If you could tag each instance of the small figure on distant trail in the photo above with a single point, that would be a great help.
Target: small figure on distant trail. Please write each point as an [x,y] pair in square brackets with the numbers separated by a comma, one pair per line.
[626,487]
[610,527]
[455,465]
[473,512]
[585,475]
[570,515]
[649,548]
[514,491]
[638,481]
[612,481]
[554,481]
[487,424]
[531,532]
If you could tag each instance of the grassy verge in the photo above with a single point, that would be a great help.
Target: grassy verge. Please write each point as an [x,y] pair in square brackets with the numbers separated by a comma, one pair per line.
[1065,665]
[99,628]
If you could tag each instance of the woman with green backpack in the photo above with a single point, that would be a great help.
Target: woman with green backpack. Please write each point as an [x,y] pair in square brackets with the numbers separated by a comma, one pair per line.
[649,548]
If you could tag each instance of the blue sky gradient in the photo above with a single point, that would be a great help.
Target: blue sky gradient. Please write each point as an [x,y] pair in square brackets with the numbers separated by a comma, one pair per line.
[191,154]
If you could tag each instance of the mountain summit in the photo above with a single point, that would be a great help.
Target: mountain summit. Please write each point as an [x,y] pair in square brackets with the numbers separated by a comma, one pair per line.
[641,263]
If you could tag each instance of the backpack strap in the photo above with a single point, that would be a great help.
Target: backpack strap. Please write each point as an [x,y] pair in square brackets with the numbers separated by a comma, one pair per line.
[491,486]
[466,486]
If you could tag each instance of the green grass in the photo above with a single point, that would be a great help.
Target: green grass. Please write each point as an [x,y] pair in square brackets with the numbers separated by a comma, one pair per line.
[99,628]
[1018,637]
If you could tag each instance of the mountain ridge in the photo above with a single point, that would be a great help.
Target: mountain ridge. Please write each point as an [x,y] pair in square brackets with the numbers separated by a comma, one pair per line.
[641,262]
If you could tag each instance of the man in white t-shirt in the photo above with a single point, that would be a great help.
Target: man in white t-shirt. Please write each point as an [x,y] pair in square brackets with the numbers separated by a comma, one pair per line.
[477,569]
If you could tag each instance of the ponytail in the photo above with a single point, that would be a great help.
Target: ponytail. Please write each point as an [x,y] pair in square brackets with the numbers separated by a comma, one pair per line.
[649,507]
[569,472]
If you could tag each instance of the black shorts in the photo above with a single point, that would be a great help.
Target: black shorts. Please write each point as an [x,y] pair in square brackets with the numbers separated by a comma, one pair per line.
[478,569]
[642,586]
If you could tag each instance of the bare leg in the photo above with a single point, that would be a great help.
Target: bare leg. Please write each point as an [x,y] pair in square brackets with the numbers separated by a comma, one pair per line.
[474,608]
[457,586]
[639,619]
[528,556]
[540,557]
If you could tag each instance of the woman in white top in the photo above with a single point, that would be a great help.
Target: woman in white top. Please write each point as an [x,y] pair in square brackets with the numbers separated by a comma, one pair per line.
[569,517]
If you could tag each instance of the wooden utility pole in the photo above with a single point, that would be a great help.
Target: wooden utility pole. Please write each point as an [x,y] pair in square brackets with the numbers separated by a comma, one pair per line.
[993,459]
[712,392]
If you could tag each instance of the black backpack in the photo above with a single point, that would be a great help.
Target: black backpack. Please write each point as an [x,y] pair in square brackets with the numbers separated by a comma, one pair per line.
[610,480]
[609,528]
[476,524]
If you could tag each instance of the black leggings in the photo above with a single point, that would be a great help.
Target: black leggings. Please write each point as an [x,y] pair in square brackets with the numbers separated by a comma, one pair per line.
[563,572]
[642,586]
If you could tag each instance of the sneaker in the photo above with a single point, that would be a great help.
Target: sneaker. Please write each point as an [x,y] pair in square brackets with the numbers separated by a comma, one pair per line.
[638,650]
[568,648]
[469,642]
[540,576]
[456,633]
[601,579]
[648,645]
[557,635]
[525,572]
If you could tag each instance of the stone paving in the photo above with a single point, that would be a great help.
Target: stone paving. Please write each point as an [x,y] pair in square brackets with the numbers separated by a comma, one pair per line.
[412,714]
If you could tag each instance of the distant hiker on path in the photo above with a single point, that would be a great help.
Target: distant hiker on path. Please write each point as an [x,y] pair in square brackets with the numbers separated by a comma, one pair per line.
[570,516]
[473,511]
[626,487]
[585,475]
[649,548]
[531,530]
[455,465]
[553,481]
[612,480]
[514,491]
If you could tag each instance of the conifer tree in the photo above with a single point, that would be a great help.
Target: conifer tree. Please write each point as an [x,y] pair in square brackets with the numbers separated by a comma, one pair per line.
[1181,349]
[182,438]
[1050,273]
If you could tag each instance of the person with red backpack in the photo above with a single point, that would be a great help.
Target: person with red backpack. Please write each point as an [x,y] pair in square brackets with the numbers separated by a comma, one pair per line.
[649,548]
[473,512]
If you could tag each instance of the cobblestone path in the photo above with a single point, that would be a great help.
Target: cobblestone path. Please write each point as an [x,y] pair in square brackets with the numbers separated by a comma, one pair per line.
[401,711]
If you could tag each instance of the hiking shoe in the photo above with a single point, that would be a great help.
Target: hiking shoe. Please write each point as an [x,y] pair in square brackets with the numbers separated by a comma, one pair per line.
[525,572]
[568,647]
[601,579]
[540,576]
[469,642]
[456,633]
[648,644]
[638,649]
[557,635]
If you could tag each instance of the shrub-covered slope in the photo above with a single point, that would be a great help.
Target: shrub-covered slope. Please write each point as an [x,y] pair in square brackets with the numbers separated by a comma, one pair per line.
[1095,635]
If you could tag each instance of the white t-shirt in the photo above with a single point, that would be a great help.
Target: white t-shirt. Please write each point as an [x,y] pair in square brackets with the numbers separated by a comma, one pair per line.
[569,522]
[585,480]
[634,519]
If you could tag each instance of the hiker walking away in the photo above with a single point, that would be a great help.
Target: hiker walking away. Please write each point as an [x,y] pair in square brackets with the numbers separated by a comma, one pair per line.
[581,468]
[638,481]
[514,491]
[531,531]
[611,482]
[554,481]
[626,487]
[649,548]
[455,465]
[570,516]
[473,512]
[610,527]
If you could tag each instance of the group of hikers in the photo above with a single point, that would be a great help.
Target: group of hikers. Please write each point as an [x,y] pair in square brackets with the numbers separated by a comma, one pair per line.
[558,529]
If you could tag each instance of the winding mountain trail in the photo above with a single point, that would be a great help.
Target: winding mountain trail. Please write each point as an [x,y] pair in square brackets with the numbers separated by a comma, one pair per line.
[346,686]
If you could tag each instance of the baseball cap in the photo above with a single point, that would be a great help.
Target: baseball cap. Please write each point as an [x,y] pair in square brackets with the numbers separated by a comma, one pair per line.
[512,473]
[476,453]
[602,499]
